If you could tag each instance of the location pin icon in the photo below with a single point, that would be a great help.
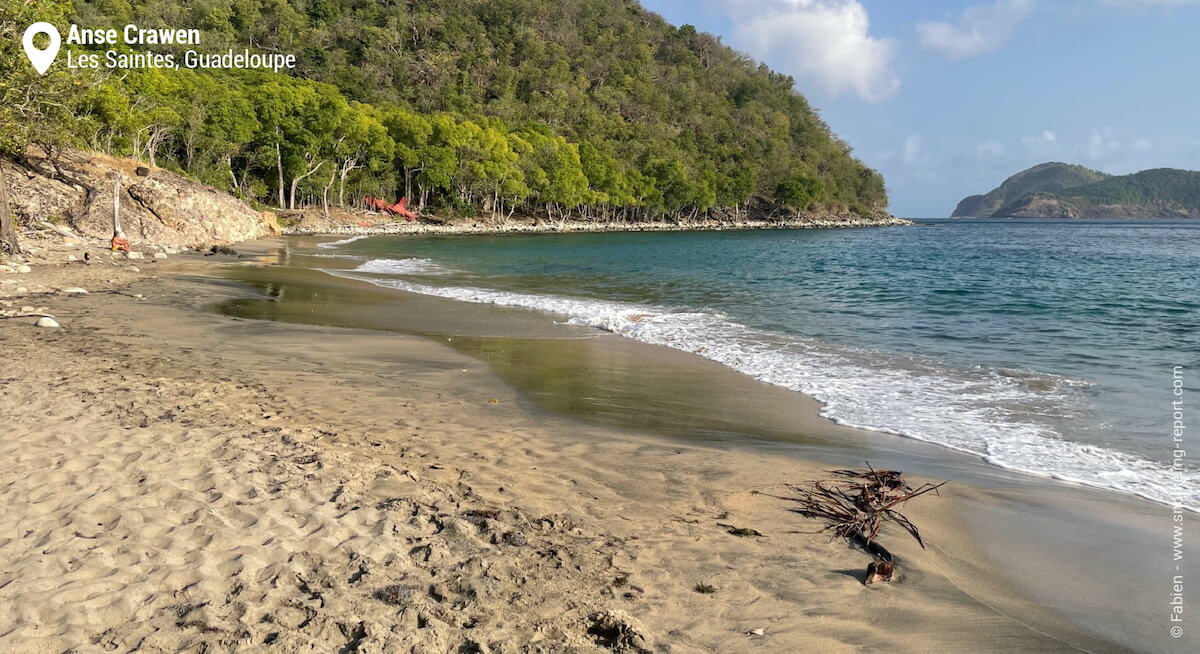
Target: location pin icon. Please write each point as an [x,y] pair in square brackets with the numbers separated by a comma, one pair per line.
[41,59]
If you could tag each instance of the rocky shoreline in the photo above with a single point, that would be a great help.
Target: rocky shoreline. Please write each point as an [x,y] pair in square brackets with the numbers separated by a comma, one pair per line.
[74,195]
[368,224]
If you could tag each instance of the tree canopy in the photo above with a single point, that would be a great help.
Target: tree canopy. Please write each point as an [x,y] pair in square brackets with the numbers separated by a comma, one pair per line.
[590,107]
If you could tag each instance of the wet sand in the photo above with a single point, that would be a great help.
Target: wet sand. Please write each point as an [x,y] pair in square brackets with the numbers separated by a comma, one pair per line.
[182,480]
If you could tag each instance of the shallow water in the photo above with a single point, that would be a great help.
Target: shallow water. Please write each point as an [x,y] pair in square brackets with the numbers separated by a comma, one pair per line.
[1045,347]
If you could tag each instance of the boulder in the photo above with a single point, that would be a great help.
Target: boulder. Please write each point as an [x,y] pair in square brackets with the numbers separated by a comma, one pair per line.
[36,197]
[271,223]
[47,321]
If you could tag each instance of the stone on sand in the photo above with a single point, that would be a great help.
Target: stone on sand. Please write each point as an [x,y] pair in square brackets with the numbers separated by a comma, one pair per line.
[74,290]
[618,631]
[460,529]
[134,255]
[24,269]
[160,255]
[46,321]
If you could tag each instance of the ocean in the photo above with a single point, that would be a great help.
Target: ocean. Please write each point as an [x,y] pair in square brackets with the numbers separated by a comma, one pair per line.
[1045,347]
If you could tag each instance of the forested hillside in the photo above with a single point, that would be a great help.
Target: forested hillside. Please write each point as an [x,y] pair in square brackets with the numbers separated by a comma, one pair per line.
[1058,190]
[1050,177]
[1169,185]
[590,107]
[1156,193]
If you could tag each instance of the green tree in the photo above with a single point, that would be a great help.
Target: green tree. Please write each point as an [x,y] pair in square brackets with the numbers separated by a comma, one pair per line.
[34,109]
[410,132]
[798,192]
[362,142]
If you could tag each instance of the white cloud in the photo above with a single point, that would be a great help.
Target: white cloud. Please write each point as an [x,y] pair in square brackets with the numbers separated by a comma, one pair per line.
[1141,145]
[990,148]
[1041,142]
[826,42]
[977,30]
[912,147]
[1101,144]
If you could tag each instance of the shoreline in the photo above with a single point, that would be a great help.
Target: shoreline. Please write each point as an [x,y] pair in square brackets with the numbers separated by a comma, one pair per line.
[353,468]
[345,225]
[1096,513]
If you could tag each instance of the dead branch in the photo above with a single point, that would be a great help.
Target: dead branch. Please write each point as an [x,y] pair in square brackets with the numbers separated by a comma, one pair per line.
[26,315]
[61,231]
[855,504]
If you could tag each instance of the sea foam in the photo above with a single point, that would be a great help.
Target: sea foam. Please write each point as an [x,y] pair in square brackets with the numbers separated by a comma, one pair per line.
[403,267]
[977,411]
[333,244]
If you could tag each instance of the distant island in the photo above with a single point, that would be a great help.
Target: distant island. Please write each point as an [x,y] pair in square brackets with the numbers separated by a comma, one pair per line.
[1059,190]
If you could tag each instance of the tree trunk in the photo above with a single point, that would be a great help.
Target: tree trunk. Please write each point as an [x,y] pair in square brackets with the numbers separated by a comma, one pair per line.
[296,181]
[325,194]
[8,231]
[237,189]
[348,165]
[117,206]
[279,166]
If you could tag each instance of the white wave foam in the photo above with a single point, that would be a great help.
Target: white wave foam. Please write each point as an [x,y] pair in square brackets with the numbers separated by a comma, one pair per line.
[402,267]
[978,412]
[333,244]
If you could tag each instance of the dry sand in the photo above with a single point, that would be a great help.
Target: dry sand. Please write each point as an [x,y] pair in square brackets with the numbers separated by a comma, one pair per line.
[179,481]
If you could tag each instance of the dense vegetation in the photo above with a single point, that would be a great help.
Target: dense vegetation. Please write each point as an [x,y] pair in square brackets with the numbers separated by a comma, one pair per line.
[593,108]
[1061,190]
[1051,177]
[1169,186]
[34,110]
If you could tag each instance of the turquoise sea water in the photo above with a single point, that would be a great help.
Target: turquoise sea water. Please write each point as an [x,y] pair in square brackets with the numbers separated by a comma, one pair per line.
[1041,346]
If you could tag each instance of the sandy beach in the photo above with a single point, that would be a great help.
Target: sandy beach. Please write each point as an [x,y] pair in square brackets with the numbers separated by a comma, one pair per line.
[179,480]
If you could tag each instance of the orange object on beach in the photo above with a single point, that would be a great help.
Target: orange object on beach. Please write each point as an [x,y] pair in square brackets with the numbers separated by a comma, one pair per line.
[398,209]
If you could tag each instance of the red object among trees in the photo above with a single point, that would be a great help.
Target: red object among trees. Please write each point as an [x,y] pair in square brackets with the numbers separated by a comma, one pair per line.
[398,209]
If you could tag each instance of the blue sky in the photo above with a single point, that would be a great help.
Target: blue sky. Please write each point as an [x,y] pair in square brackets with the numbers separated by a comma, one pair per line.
[947,99]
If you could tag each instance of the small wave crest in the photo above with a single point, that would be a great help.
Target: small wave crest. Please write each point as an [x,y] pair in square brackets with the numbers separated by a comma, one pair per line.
[333,244]
[983,412]
[402,267]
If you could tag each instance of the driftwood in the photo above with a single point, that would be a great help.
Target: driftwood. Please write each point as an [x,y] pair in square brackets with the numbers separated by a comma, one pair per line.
[61,231]
[25,315]
[855,504]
